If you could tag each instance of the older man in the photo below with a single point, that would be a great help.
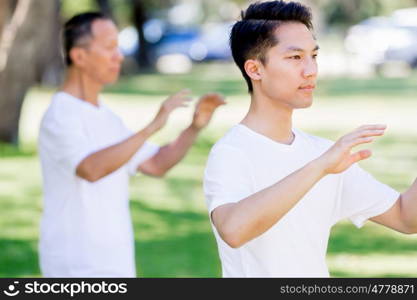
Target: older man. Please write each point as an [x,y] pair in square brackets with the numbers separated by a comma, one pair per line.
[87,154]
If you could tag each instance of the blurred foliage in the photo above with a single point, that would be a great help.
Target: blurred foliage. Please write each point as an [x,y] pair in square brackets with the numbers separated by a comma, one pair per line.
[71,7]
[336,12]
[343,13]
[226,78]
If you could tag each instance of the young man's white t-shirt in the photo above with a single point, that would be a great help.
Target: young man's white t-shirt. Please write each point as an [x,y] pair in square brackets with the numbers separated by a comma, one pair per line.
[244,162]
[86,229]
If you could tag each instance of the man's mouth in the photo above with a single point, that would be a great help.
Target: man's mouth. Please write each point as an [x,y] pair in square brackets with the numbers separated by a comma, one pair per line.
[115,69]
[308,88]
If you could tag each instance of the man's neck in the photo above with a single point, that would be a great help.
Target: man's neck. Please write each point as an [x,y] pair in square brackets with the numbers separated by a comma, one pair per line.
[81,86]
[270,119]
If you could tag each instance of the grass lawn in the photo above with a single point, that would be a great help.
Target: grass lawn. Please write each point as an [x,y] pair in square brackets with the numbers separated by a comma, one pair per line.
[172,230]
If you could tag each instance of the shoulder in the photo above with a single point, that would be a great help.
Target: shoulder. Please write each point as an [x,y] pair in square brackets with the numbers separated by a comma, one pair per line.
[62,106]
[62,114]
[232,142]
[229,151]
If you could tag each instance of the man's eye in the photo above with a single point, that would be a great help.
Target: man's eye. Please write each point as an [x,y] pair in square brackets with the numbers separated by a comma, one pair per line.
[315,56]
[296,57]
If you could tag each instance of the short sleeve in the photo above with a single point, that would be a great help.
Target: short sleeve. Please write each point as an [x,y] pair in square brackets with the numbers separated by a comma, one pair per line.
[145,152]
[64,140]
[228,177]
[364,197]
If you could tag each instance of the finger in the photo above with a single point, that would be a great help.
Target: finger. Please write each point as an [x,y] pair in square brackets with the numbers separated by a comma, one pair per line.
[358,141]
[372,126]
[211,95]
[178,106]
[180,101]
[212,98]
[209,105]
[367,133]
[183,92]
[363,133]
[220,101]
[180,94]
[360,155]
[183,99]
[218,97]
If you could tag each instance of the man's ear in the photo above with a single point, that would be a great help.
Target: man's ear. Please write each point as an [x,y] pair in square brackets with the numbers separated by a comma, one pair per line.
[78,56]
[252,68]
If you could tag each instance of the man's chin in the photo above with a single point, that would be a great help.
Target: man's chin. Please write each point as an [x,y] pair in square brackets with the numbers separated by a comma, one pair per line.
[305,103]
[111,81]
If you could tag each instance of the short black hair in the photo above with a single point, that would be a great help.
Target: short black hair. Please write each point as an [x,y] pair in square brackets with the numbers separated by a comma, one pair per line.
[252,36]
[78,28]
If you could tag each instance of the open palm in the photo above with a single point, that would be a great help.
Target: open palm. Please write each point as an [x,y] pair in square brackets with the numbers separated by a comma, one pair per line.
[205,108]
[340,157]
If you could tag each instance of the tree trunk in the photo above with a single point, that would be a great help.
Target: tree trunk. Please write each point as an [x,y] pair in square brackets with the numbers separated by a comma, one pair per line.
[105,8]
[3,15]
[51,63]
[24,47]
[139,18]
[6,7]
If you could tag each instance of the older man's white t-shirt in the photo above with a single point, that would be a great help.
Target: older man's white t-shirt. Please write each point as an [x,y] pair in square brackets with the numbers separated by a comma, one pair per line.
[244,162]
[86,228]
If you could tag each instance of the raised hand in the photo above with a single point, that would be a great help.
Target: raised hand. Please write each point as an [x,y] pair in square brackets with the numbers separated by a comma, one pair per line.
[205,108]
[180,99]
[339,157]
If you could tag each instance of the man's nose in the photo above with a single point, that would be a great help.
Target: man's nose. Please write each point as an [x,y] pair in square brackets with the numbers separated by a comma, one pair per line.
[311,68]
[119,55]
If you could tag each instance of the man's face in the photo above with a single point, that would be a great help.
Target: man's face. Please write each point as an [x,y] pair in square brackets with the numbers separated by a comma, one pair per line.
[102,56]
[290,71]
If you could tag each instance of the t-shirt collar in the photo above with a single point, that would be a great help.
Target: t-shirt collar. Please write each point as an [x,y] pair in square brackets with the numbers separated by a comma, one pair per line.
[84,103]
[269,140]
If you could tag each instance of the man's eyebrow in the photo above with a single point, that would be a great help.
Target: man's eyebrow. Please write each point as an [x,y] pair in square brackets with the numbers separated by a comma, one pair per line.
[297,49]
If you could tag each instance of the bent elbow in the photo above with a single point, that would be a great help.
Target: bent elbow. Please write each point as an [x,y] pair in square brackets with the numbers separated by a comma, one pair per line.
[234,243]
[90,177]
[159,173]
[412,230]
[154,172]
[232,238]
[87,173]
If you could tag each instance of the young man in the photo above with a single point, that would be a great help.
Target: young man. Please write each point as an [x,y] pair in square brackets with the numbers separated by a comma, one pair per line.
[274,192]
[87,154]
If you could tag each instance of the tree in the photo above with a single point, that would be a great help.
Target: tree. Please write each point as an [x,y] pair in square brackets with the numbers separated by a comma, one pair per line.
[105,7]
[139,19]
[25,47]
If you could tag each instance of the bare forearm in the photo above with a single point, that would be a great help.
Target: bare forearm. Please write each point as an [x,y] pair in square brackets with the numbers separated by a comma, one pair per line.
[106,161]
[255,214]
[169,155]
[409,206]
